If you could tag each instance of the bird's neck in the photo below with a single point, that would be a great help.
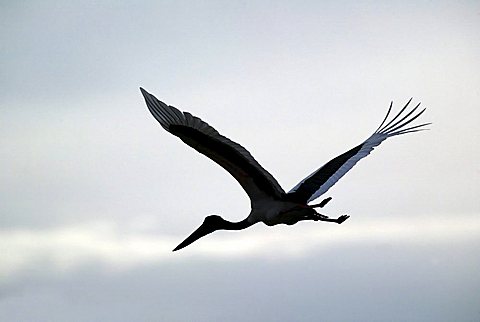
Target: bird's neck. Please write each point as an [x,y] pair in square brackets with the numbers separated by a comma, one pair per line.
[228,225]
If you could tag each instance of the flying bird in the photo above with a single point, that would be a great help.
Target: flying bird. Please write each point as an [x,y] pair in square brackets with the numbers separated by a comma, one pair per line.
[270,204]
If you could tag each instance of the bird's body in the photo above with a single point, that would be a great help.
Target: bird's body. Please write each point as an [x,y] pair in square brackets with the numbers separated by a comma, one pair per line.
[269,202]
[273,212]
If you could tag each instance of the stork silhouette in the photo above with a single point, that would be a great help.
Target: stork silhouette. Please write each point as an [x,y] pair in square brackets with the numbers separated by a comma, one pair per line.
[270,204]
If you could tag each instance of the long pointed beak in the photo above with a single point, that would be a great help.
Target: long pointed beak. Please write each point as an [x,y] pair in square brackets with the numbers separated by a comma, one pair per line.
[197,234]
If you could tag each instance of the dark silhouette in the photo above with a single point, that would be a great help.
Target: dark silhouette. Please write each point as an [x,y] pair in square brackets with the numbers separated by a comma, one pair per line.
[269,202]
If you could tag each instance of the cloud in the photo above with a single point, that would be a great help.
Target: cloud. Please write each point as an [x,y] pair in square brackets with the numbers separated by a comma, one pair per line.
[94,194]
[421,270]
[68,248]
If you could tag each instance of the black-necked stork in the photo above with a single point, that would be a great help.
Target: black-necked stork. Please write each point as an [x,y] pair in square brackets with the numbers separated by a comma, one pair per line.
[269,202]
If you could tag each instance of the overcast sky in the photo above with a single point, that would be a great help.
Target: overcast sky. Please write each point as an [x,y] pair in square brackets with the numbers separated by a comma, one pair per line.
[94,194]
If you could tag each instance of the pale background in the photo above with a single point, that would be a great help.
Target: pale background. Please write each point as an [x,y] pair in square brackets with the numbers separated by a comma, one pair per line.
[94,194]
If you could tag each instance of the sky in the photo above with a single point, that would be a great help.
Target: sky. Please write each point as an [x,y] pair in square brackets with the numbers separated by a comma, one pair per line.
[95,194]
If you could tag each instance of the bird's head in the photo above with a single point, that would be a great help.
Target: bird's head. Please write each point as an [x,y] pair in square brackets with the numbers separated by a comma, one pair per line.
[209,225]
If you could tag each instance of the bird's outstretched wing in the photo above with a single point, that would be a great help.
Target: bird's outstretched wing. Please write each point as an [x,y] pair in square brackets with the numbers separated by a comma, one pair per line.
[325,177]
[254,179]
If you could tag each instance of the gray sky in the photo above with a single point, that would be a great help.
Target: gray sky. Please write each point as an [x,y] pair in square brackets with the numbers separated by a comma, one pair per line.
[95,194]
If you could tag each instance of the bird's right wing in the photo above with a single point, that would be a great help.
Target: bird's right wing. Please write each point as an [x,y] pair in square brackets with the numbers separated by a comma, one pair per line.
[254,179]
[325,177]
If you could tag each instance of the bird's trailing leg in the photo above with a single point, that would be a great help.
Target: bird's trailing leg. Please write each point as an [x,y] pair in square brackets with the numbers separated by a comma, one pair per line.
[319,217]
[316,216]
[341,219]
[322,204]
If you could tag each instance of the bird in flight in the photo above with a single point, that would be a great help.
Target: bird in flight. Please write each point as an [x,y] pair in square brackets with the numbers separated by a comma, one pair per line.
[269,202]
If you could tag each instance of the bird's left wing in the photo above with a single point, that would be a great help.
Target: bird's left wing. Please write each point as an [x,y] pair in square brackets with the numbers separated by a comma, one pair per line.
[325,177]
[254,179]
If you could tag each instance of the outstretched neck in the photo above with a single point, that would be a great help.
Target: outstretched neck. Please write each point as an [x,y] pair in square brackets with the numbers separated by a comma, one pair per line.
[228,225]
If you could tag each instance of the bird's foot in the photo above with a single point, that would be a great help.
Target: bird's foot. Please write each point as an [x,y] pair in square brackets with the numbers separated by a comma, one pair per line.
[341,219]
[322,204]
